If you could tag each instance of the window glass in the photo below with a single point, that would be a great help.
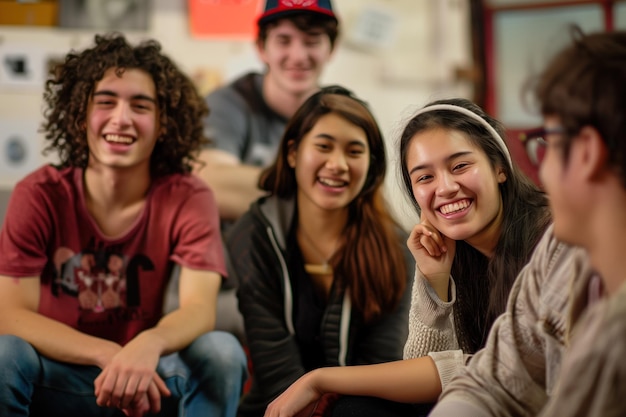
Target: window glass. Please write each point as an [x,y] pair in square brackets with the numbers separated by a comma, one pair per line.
[524,40]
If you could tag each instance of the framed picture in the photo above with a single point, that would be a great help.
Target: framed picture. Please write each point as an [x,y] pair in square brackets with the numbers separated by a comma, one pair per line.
[104,14]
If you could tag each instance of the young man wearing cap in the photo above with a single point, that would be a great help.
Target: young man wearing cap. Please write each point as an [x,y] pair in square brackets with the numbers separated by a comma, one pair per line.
[559,349]
[295,42]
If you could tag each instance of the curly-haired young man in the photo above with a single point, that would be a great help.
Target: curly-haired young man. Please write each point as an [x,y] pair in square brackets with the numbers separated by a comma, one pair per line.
[87,249]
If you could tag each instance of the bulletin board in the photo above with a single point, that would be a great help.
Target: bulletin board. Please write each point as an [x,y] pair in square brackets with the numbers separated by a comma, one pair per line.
[234,19]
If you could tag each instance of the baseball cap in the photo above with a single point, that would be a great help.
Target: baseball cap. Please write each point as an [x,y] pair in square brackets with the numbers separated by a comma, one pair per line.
[279,9]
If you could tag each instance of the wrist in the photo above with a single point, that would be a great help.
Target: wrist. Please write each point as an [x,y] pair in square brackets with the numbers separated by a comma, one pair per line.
[440,282]
[315,380]
[107,351]
[150,339]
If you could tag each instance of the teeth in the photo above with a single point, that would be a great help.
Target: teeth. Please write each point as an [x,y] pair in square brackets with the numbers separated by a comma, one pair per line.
[118,139]
[451,208]
[332,183]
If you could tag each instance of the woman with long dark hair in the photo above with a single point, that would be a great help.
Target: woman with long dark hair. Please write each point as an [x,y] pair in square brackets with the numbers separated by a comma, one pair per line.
[322,266]
[481,218]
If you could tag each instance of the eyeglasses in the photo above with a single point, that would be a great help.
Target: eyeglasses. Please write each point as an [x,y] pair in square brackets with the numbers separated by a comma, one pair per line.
[535,142]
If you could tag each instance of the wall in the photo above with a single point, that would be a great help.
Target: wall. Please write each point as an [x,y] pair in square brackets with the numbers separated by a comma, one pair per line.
[408,62]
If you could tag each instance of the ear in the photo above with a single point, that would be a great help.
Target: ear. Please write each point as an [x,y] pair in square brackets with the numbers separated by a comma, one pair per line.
[291,153]
[260,49]
[590,154]
[500,175]
[333,48]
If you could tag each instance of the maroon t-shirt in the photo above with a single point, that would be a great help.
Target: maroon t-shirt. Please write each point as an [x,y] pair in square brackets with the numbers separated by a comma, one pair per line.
[110,287]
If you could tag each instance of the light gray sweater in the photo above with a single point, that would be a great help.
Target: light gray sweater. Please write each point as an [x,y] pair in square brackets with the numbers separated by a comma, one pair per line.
[518,370]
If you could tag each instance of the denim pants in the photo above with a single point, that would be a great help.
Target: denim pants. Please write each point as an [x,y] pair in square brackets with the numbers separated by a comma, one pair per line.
[206,379]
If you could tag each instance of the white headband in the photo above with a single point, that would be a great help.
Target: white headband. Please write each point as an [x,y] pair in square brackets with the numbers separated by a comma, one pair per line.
[474,116]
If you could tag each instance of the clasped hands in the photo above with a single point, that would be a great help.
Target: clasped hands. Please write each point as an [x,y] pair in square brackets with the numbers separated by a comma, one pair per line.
[129,380]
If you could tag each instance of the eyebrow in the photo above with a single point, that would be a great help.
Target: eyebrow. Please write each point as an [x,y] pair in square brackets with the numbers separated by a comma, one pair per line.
[330,137]
[135,97]
[311,34]
[448,159]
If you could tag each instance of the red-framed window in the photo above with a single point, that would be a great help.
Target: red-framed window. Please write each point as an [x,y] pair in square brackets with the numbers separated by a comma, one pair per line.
[518,38]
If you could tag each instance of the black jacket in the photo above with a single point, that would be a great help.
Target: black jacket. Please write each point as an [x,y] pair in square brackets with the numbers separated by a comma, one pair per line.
[257,245]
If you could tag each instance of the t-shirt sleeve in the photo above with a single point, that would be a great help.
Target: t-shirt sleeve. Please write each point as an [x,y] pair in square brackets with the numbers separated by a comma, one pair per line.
[25,233]
[198,241]
[227,123]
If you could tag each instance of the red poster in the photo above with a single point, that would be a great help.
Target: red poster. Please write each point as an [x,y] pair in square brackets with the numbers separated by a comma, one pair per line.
[224,18]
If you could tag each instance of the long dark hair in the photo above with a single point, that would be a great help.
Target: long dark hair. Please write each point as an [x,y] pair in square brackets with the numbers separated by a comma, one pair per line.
[483,284]
[68,92]
[372,261]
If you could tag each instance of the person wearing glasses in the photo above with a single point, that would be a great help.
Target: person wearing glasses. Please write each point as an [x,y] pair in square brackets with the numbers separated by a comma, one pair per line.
[481,218]
[559,349]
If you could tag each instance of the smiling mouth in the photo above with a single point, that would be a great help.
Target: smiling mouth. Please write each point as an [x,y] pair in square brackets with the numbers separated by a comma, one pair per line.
[332,183]
[299,72]
[124,140]
[454,207]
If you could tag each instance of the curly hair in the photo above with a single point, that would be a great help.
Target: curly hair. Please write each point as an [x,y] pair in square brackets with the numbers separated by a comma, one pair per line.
[72,83]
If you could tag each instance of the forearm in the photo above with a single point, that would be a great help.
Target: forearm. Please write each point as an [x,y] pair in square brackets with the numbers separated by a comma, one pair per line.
[408,381]
[179,328]
[196,315]
[235,189]
[234,186]
[56,340]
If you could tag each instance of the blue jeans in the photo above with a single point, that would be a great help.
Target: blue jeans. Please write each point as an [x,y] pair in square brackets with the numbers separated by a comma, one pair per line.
[206,379]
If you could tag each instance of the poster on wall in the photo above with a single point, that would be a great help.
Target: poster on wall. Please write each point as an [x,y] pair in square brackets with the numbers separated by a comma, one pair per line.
[234,19]
[22,66]
[20,149]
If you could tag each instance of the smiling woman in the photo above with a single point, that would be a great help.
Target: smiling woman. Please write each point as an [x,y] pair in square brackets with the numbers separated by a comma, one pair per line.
[480,219]
[322,265]
[451,157]
[455,186]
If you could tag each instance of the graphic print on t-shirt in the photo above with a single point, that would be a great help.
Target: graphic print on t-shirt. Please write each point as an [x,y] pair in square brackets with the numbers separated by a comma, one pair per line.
[101,279]
[101,287]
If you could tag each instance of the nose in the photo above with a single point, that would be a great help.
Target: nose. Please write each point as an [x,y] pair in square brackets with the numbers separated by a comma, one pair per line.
[447,185]
[298,52]
[337,161]
[121,114]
